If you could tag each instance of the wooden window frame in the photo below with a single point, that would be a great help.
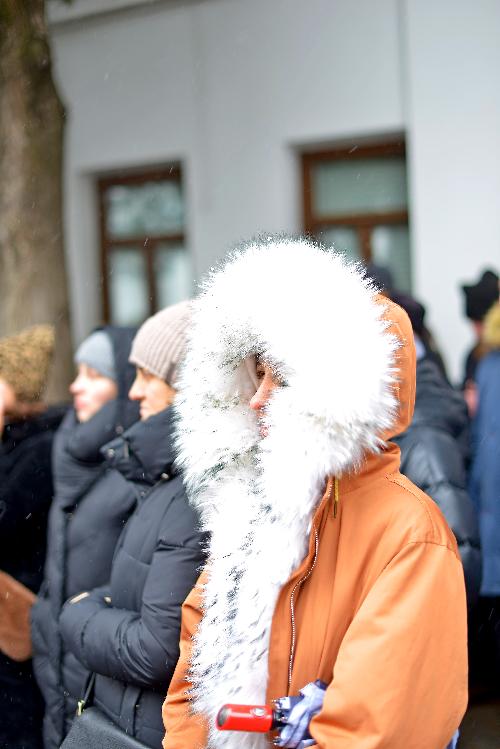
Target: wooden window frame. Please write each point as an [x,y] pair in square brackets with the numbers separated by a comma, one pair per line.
[147,245]
[363,223]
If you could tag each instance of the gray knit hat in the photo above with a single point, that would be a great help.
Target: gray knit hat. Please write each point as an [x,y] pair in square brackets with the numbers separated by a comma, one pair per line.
[160,342]
[96,351]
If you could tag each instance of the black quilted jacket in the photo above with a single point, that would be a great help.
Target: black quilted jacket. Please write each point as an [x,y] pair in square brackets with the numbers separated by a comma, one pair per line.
[433,456]
[128,632]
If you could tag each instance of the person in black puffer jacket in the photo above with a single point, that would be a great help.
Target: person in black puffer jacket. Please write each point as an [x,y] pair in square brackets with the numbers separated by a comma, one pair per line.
[27,429]
[434,452]
[91,505]
[128,632]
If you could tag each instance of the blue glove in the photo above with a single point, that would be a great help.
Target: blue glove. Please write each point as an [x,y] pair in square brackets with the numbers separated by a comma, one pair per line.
[299,711]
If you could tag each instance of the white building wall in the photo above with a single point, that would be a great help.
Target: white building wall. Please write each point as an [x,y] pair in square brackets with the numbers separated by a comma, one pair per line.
[231,88]
[452,109]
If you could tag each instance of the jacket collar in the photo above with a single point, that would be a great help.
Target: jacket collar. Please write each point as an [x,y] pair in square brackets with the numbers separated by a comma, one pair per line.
[78,462]
[16,432]
[145,453]
[373,469]
[85,440]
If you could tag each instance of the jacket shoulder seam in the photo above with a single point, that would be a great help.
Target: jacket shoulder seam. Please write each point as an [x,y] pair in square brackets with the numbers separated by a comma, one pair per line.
[424,542]
[403,485]
[394,478]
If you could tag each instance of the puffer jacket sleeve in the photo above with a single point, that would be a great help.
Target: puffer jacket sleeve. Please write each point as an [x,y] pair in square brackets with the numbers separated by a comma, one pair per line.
[432,461]
[139,648]
[184,728]
[398,670]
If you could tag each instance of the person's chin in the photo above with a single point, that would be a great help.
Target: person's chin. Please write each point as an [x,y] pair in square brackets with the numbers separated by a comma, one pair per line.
[144,414]
[82,415]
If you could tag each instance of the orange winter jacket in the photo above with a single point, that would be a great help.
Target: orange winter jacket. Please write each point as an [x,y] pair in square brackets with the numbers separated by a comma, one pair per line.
[385,628]
[377,610]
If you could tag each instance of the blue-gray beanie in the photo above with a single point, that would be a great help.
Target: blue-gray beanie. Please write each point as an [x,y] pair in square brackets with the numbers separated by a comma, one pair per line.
[96,351]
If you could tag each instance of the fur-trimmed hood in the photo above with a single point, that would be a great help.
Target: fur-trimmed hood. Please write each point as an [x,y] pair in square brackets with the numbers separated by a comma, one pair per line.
[347,358]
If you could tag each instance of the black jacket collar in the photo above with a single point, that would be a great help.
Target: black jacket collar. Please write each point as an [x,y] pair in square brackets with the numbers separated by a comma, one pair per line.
[85,440]
[17,431]
[145,453]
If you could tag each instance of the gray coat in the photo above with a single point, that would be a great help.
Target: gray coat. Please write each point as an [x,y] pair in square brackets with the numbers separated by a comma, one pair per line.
[91,505]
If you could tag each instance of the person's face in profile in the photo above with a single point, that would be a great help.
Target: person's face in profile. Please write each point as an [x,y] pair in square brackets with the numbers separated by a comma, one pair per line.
[267,384]
[91,390]
[152,393]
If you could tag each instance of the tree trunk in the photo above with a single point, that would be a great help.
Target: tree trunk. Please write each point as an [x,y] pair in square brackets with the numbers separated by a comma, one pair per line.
[33,286]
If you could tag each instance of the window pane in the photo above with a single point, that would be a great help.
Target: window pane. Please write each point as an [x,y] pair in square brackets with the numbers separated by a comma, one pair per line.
[149,209]
[359,186]
[344,239]
[391,248]
[173,273]
[128,287]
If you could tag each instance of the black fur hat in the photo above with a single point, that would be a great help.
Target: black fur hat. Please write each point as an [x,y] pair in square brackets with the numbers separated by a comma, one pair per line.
[481,296]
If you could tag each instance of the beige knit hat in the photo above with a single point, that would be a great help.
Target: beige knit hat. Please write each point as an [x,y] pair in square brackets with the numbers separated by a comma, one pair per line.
[160,342]
[25,360]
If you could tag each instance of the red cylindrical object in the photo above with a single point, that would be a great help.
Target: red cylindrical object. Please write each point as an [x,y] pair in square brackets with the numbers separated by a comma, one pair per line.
[252,718]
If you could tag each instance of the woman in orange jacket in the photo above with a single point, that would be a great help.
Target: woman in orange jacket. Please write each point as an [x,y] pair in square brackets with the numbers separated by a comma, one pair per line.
[324,561]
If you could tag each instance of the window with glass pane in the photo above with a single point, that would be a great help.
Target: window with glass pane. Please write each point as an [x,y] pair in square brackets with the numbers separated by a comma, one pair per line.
[145,262]
[356,200]
[128,286]
[173,275]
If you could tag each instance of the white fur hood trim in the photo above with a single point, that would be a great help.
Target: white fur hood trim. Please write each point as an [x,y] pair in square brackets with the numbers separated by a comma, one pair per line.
[315,318]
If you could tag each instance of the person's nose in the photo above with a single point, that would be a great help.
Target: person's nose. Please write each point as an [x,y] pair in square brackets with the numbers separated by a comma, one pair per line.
[76,385]
[135,393]
[260,398]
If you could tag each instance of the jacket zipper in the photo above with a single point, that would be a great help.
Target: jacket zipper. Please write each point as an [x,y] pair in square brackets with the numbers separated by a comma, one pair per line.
[292,607]
[335,487]
[336,496]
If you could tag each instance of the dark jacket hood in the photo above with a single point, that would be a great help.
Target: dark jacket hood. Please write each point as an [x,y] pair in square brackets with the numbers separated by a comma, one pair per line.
[86,439]
[146,451]
[121,339]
